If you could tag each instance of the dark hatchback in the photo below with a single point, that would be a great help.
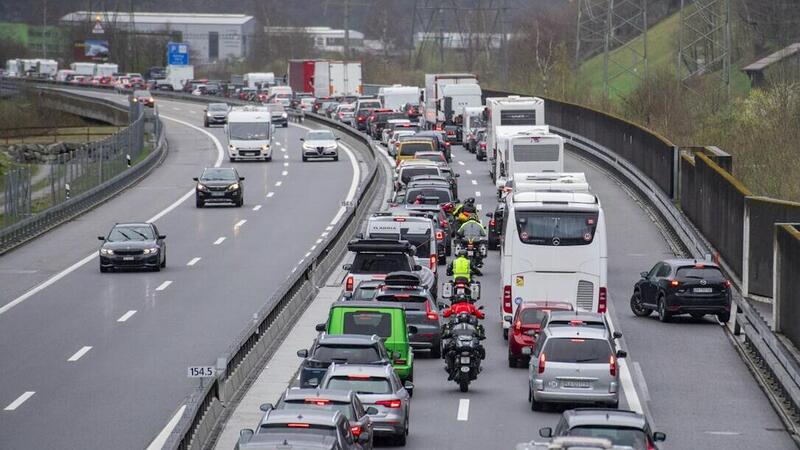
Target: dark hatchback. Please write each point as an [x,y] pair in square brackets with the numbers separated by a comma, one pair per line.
[136,245]
[682,286]
[219,185]
[216,114]
[342,348]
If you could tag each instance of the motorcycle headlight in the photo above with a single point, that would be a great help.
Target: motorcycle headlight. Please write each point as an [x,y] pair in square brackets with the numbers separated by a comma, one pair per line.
[233,187]
[106,251]
[201,187]
[151,251]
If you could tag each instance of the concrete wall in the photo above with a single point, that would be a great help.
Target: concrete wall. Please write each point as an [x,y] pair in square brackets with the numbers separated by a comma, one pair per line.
[787,283]
[761,215]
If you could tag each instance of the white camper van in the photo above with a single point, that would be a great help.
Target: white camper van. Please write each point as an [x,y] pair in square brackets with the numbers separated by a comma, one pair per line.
[249,131]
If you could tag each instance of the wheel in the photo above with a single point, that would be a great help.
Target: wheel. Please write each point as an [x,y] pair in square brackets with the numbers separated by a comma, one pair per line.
[268,158]
[724,317]
[231,159]
[614,405]
[505,333]
[637,307]
[442,260]
[449,251]
[205,123]
[157,268]
[240,202]
[697,316]
[463,386]
[164,262]
[663,314]
[286,125]
[199,203]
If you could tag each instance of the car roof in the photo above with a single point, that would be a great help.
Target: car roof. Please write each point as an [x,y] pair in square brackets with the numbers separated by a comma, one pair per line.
[561,306]
[577,332]
[358,304]
[576,315]
[689,262]
[310,416]
[336,395]
[372,370]
[349,339]
[605,417]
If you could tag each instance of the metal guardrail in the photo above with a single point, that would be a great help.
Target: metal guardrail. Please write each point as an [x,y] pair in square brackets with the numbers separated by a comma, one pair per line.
[79,180]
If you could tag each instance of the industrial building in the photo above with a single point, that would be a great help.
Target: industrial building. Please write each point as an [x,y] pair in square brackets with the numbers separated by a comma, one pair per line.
[211,37]
[325,39]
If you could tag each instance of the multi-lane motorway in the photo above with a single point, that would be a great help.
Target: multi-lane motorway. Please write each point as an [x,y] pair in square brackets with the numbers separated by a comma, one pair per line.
[94,360]
[99,361]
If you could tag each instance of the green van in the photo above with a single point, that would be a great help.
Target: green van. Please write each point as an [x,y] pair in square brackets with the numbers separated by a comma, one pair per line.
[387,321]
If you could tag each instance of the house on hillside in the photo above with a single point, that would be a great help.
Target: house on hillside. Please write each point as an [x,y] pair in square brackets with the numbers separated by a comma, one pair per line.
[783,64]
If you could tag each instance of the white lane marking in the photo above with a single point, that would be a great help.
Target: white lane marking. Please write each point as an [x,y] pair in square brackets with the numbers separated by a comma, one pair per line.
[19,401]
[270,194]
[176,109]
[240,223]
[351,193]
[463,409]
[477,193]
[313,247]
[475,182]
[723,433]
[307,255]
[329,228]
[192,112]
[283,149]
[256,208]
[284,173]
[319,241]
[219,240]
[625,377]
[161,439]
[461,163]
[278,183]
[163,285]
[79,354]
[285,156]
[469,172]
[286,164]
[126,316]
[193,261]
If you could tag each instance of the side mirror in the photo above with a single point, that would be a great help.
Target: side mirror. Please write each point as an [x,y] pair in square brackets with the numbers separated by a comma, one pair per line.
[409,387]
[507,318]
[302,139]
[456,175]
[338,139]
[527,351]
[621,353]
[659,436]
[162,236]
[413,329]
[320,327]
[480,307]
[417,267]
[348,295]
[359,235]
[195,179]
[266,407]
[303,353]
[489,215]
[347,267]
[245,435]
[101,238]
[241,178]
[371,410]
[643,274]
[546,432]
[617,334]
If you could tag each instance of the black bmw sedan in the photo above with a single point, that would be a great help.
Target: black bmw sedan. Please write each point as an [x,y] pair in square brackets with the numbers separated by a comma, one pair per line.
[135,245]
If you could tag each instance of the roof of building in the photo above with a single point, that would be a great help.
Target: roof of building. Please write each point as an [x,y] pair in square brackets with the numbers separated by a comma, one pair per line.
[316,31]
[767,61]
[158,18]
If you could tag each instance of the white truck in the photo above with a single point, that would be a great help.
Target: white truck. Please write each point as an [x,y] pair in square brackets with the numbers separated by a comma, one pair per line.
[45,68]
[106,69]
[83,68]
[13,68]
[433,105]
[249,132]
[337,78]
[259,80]
[513,111]
[65,75]
[394,97]
[176,77]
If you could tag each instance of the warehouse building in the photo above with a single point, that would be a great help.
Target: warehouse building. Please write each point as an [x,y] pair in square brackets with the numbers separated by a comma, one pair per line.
[211,37]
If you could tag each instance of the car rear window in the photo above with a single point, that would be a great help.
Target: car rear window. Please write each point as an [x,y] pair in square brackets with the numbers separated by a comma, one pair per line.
[369,263]
[365,293]
[628,437]
[368,322]
[347,354]
[298,404]
[578,350]
[421,242]
[415,302]
[366,385]
[411,148]
[700,273]
[441,194]
[532,316]
[298,428]
[409,172]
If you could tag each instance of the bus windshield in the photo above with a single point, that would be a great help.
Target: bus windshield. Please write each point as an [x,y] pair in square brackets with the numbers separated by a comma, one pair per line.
[556,228]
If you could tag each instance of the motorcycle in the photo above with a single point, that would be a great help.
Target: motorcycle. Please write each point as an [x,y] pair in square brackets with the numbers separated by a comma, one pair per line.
[463,351]
[473,239]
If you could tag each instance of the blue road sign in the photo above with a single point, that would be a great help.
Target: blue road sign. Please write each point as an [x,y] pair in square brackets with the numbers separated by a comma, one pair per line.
[177,54]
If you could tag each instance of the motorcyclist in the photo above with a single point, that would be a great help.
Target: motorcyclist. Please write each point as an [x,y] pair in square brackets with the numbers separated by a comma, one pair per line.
[468,226]
[463,306]
[461,323]
[462,267]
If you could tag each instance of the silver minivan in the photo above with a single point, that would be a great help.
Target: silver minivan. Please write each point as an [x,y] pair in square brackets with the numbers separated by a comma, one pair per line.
[573,365]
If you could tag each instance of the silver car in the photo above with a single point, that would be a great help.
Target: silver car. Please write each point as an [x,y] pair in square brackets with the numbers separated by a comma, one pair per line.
[573,365]
[320,144]
[378,387]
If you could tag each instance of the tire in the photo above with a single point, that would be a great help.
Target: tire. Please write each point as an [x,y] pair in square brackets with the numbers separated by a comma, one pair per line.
[199,203]
[268,158]
[724,317]
[636,305]
[164,262]
[663,314]
[449,251]
[286,125]
[205,124]
[614,405]
[463,386]
[535,406]
[231,159]
[157,268]
[400,440]
[240,203]
[505,333]
[442,260]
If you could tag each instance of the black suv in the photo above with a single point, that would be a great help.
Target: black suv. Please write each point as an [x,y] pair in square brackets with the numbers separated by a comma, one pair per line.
[219,185]
[133,245]
[682,286]
[495,229]
[344,348]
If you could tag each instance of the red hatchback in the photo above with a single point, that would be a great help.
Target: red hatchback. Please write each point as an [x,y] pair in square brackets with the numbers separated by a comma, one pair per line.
[526,323]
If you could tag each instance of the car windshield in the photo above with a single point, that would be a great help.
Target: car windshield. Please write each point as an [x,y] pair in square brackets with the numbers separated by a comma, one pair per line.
[374,263]
[131,233]
[323,135]
[368,322]
[217,107]
[346,354]
[248,131]
[578,350]
[556,227]
[366,385]
[219,175]
[411,148]
[443,195]
[629,437]
[700,273]
[296,405]
[413,302]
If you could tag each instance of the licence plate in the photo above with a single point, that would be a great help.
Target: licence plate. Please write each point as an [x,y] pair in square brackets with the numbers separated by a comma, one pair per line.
[575,384]
[465,360]
[127,258]
[217,194]
[705,290]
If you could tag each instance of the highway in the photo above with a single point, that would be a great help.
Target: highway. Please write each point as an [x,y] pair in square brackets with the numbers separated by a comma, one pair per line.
[97,361]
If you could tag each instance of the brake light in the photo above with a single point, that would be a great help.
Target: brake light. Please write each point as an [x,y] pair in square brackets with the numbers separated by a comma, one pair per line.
[389,403]
[542,361]
[492,223]
[602,303]
[440,235]
[318,401]
[576,323]
[356,430]
[483,145]
[358,376]
[298,425]
[400,362]
[399,295]
[433,262]
[429,313]
[612,365]
[348,286]
[674,283]
[507,299]
[727,284]
[399,219]
[447,144]
[360,118]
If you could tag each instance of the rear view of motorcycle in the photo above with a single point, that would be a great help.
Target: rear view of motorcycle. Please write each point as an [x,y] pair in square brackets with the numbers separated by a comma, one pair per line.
[463,351]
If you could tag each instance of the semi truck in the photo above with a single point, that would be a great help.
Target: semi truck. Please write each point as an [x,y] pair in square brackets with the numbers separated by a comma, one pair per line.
[322,78]
[446,94]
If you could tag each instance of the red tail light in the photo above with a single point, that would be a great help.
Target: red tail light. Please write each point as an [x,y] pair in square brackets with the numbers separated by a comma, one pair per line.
[429,313]
[443,223]
[447,144]
[727,284]
[389,403]
[348,286]
[507,299]
[612,365]
[400,362]
[440,235]
[492,223]
[298,425]
[356,430]
[542,361]
[602,303]
[360,118]
[433,262]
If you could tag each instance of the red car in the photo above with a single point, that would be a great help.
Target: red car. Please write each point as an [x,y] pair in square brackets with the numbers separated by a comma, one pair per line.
[526,323]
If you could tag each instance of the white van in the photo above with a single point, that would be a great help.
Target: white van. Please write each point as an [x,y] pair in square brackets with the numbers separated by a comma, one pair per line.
[249,131]
[530,151]
[554,249]
[394,97]
[512,111]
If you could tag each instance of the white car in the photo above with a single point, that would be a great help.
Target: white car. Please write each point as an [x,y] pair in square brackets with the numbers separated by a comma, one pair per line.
[386,133]
[320,144]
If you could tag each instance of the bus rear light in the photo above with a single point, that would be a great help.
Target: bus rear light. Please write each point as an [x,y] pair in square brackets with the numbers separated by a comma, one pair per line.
[507,299]
[602,303]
